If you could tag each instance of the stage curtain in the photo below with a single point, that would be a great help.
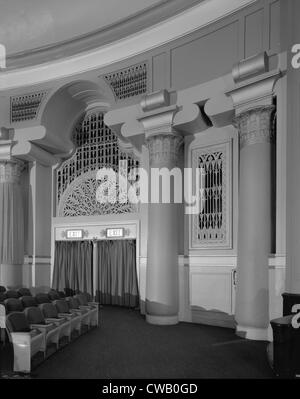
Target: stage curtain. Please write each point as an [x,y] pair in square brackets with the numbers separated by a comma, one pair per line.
[117,277]
[73,266]
[12,224]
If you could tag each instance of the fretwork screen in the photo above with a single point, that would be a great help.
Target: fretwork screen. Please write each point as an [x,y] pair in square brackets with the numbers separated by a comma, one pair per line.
[96,147]
[211,226]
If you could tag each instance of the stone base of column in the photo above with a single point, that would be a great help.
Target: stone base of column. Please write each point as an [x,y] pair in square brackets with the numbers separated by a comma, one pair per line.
[252,333]
[162,320]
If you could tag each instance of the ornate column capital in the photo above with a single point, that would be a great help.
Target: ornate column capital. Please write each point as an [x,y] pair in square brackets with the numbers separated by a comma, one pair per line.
[164,148]
[255,126]
[10,171]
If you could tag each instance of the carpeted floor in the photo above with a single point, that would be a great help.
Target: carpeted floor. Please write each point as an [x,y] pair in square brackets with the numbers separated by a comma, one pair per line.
[125,346]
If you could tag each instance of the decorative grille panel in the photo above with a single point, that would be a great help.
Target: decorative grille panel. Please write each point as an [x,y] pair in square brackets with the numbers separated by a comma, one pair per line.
[96,147]
[211,227]
[25,107]
[129,82]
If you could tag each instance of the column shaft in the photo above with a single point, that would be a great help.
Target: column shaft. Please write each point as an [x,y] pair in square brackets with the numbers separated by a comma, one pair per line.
[255,223]
[162,265]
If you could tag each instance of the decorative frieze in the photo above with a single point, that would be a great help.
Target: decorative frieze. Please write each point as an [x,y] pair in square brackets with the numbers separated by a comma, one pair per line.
[256,126]
[129,82]
[25,107]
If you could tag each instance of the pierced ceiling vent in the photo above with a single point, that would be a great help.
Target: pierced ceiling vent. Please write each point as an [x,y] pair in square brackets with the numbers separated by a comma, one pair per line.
[25,107]
[129,82]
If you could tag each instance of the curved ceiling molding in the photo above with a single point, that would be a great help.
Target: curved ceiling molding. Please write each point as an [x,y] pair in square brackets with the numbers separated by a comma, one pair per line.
[188,21]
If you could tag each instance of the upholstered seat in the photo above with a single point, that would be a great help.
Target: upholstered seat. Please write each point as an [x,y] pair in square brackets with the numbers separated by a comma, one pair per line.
[24,292]
[82,311]
[42,298]
[13,305]
[51,315]
[2,289]
[28,301]
[63,310]
[53,295]
[26,342]
[12,294]
[37,321]
[92,308]
[2,297]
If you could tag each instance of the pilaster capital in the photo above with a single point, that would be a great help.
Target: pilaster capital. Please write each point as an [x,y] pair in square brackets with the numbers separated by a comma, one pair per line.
[255,126]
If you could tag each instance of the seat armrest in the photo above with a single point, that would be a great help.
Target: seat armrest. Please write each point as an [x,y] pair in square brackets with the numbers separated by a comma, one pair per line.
[42,327]
[63,315]
[55,320]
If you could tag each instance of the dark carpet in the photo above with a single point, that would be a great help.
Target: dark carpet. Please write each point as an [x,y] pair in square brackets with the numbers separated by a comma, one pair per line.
[125,346]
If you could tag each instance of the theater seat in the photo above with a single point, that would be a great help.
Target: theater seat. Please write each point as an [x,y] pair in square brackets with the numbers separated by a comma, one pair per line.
[28,301]
[26,342]
[36,320]
[63,310]
[82,311]
[24,292]
[2,321]
[92,308]
[51,315]
[13,305]
[2,297]
[2,289]
[42,298]
[53,295]
[12,294]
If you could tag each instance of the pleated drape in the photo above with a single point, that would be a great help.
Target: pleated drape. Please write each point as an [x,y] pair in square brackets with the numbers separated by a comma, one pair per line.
[117,277]
[12,224]
[73,266]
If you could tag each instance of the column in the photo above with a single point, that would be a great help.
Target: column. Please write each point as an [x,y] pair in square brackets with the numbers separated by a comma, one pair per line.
[162,265]
[11,223]
[255,221]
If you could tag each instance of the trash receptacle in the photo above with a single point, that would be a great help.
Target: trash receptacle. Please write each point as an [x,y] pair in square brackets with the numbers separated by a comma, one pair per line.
[286,347]
[289,300]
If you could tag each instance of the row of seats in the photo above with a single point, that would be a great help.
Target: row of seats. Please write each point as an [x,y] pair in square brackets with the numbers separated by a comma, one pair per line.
[32,323]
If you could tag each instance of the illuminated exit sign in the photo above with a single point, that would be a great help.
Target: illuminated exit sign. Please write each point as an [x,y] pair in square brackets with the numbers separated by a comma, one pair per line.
[115,232]
[71,234]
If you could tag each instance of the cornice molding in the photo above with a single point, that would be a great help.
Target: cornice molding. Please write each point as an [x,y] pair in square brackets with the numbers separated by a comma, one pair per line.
[180,25]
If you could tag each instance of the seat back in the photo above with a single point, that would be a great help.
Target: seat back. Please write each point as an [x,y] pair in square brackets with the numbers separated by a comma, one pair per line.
[73,302]
[42,298]
[13,305]
[62,306]
[17,322]
[53,295]
[28,301]
[82,299]
[34,315]
[2,289]
[12,294]
[69,292]
[2,297]
[49,310]
[24,292]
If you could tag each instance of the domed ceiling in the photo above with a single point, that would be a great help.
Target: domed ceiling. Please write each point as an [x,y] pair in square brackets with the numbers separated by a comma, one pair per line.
[34,24]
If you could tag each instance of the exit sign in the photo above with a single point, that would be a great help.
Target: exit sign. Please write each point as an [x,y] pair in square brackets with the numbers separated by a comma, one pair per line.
[77,234]
[115,233]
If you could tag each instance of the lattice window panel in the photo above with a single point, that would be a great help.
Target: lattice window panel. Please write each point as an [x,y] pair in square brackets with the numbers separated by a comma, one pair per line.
[25,107]
[129,82]
[96,147]
[212,226]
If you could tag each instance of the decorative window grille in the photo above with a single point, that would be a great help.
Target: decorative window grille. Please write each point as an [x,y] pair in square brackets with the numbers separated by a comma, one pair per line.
[25,107]
[211,227]
[129,82]
[96,147]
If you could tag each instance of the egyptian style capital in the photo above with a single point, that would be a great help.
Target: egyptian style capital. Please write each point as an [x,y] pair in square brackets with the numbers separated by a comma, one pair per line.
[256,126]
[164,148]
